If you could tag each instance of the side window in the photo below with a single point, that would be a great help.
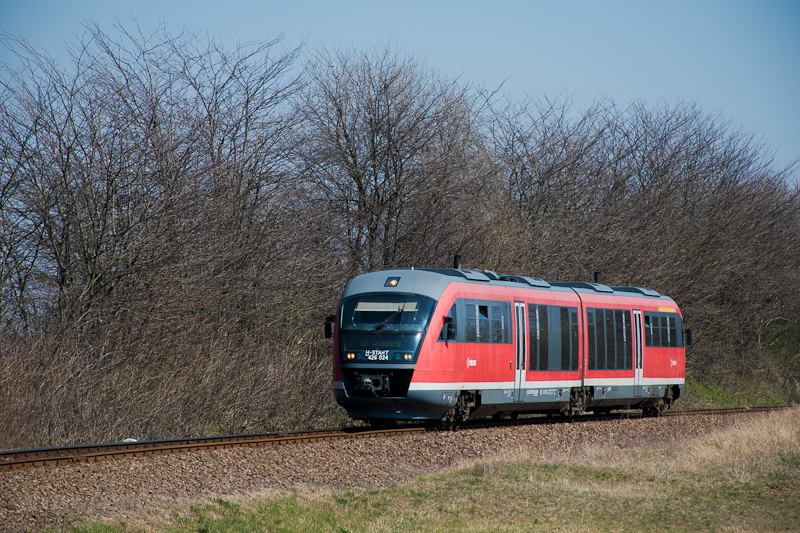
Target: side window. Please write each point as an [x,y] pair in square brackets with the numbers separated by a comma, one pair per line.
[544,337]
[676,330]
[472,323]
[601,338]
[569,338]
[533,335]
[621,339]
[450,327]
[486,321]
[483,323]
[663,330]
[590,333]
[611,363]
[566,355]
[673,339]
[609,339]
[498,323]
[656,331]
[573,328]
[554,338]
[628,340]
[538,328]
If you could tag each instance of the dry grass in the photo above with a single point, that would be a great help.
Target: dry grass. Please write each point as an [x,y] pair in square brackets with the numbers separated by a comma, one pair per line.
[744,478]
[746,450]
[52,395]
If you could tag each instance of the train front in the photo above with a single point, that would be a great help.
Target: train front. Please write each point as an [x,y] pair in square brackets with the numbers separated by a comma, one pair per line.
[379,333]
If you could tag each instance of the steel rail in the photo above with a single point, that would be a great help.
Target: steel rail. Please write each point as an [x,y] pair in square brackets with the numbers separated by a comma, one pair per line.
[57,456]
[726,411]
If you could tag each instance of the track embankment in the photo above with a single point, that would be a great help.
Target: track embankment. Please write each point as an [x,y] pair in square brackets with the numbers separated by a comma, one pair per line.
[141,489]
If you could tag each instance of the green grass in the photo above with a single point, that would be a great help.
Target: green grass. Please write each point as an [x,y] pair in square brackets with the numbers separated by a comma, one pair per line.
[746,478]
[699,395]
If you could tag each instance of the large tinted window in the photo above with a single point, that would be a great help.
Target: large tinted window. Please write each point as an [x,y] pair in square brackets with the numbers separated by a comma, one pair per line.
[389,312]
[600,323]
[609,339]
[663,329]
[485,321]
[591,342]
[498,323]
[565,338]
[539,333]
[554,337]
[574,334]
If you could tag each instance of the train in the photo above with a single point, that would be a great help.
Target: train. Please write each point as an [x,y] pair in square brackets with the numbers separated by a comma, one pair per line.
[445,344]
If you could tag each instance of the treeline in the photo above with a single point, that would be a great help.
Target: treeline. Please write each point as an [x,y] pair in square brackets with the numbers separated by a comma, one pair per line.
[177,217]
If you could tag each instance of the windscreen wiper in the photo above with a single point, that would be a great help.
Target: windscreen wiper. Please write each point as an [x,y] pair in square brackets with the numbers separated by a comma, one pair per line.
[383,324]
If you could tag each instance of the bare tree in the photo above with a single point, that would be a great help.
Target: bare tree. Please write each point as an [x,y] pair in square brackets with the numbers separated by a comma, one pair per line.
[146,203]
[554,180]
[390,159]
[667,197]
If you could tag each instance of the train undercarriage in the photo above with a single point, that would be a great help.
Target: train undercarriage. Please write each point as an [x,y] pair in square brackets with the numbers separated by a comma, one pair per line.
[581,400]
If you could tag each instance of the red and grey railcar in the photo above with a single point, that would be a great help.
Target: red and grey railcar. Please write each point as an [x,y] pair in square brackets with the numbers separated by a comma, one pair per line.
[444,344]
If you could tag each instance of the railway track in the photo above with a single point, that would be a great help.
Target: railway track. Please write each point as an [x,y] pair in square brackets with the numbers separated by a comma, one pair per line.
[64,455]
[728,411]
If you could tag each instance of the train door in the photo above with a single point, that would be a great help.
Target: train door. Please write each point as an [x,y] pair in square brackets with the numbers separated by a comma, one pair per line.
[520,326]
[637,352]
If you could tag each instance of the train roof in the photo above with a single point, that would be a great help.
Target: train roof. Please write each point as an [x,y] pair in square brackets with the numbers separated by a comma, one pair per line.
[432,282]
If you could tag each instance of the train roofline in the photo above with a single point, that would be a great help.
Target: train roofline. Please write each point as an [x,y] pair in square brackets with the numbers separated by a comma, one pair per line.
[432,282]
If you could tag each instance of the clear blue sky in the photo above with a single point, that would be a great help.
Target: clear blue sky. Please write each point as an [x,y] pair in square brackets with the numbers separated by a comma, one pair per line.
[740,59]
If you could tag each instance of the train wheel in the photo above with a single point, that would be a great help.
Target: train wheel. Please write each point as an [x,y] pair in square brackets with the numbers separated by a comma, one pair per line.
[653,410]
[669,397]
[452,420]
[449,421]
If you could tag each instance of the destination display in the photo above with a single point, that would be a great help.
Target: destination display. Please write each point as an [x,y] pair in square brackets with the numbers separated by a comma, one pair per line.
[365,347]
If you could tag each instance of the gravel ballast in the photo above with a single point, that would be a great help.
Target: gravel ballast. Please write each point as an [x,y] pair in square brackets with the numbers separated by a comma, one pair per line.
[139,489]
